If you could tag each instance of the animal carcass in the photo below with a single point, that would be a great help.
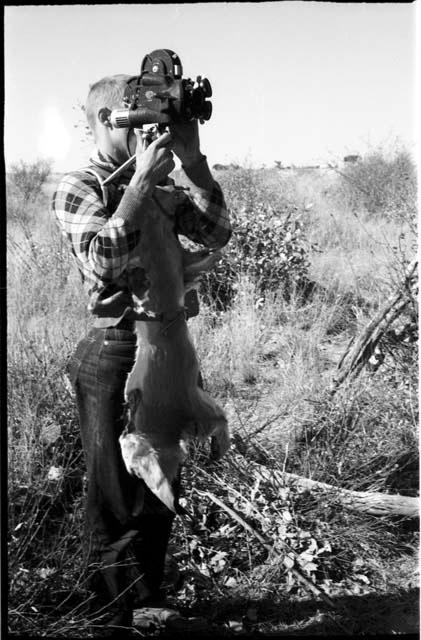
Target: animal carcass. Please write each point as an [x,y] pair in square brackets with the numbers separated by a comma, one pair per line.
[167,408]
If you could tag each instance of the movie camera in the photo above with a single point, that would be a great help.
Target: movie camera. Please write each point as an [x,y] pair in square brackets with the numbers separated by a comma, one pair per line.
[160,95]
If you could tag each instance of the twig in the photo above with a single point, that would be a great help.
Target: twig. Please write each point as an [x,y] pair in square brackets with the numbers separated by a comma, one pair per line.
[267,424]
[285,457]
[309,584]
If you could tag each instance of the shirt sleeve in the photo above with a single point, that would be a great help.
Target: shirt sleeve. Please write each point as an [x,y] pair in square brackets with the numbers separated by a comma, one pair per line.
[203,217]
[101,242]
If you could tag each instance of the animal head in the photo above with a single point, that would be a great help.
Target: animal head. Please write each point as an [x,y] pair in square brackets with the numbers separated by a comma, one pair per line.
[158,469]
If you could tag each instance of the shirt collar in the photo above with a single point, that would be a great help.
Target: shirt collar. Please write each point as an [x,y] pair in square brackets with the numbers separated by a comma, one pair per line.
[107,162]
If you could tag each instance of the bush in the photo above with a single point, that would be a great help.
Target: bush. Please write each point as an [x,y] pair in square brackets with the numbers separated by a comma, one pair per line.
[382,184]
[23,187]
[270,367]
[268,243]
[28,178]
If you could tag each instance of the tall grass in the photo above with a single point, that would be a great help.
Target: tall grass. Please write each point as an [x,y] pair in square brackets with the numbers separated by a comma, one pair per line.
[270,361]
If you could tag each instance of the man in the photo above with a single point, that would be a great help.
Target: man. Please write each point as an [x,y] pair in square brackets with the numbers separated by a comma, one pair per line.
[128,526]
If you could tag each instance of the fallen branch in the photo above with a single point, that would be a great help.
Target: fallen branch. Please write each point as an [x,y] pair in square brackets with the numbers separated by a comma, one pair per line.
[370,502]
[362,347]
[306,582]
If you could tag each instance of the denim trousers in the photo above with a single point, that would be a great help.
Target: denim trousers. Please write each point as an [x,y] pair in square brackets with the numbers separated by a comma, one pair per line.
[128,527]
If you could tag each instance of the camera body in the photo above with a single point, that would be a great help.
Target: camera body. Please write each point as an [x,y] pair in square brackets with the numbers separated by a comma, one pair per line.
[160,95]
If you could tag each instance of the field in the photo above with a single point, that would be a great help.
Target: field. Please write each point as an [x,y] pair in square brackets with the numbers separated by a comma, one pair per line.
[315,255]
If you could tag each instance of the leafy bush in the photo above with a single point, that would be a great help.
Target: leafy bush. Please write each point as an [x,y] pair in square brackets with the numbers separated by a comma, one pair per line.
[268,243]
[382,184]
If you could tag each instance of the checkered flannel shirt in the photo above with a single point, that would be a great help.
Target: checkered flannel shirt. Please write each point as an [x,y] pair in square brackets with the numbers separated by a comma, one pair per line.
[104,238]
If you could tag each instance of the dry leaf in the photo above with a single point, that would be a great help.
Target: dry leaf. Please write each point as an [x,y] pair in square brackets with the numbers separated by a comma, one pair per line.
[230,583]
[362,577]
[50,433]
[236,626]
[55,474]
[44,573]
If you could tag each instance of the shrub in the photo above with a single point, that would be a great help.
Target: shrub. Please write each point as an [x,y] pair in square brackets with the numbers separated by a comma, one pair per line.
[268,243]
[27,178]
[23,188]
[269,364]
[383,184]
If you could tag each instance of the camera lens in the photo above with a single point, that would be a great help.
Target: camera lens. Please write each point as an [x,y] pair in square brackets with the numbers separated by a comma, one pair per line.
[206,87]
[206,110]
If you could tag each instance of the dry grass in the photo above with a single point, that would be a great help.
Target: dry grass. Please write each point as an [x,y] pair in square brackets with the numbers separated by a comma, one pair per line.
[270,362]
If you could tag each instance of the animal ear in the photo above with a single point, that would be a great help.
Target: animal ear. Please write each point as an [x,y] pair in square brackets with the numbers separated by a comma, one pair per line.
[150,470]
[129,445]
[142,461]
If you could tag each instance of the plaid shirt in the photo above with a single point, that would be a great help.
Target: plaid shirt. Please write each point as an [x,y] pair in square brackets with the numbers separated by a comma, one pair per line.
[101,226]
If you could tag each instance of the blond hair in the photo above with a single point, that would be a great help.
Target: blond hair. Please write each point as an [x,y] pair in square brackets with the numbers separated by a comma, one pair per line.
[106,93]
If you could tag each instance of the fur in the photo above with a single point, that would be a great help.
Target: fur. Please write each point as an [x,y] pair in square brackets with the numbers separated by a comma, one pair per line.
[167,406]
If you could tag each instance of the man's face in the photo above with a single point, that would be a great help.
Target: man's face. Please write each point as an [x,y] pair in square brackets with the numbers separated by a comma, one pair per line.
[123,142]
[120,141]
[131,141]
[149,133]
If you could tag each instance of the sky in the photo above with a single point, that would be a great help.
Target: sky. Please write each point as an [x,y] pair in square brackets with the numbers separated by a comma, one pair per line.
[301,82]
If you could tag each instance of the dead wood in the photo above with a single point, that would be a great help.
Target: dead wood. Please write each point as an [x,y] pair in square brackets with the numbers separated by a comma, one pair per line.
[362,347]
[286,559]
[372,503]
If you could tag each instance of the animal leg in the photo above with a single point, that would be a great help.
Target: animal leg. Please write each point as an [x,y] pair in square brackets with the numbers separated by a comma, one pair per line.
[194,264]
[208,420]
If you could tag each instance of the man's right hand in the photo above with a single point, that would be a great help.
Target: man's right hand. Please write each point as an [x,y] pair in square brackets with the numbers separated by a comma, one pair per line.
[153,162]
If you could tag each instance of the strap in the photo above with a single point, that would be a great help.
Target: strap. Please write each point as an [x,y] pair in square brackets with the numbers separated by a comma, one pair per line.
[167,318]
[100,182]
[147,317]
[181,313]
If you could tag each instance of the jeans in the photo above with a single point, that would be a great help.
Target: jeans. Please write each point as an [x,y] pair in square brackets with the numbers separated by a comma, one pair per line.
[128,527]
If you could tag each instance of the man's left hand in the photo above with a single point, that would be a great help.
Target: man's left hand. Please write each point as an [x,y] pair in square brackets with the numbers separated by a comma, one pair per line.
[186,143]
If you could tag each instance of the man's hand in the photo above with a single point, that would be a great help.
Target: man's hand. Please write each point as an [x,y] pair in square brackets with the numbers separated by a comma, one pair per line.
[186,146]
[153,162]
[186,143]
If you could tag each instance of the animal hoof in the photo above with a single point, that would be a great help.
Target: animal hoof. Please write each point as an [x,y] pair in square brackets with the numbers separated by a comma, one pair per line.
[219,445]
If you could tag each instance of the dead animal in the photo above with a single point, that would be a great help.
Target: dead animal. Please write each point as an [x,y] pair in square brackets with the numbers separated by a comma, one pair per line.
[167,407]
